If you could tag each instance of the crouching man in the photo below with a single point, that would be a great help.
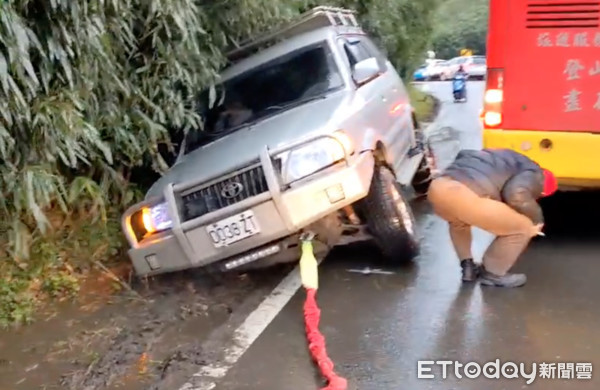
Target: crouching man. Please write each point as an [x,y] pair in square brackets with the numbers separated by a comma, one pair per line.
[495,190]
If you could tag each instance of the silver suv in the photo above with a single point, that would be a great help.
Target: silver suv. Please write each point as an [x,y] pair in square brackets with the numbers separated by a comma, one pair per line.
[311,129]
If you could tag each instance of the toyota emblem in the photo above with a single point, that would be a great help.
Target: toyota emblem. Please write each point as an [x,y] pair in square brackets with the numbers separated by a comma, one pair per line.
[231,190]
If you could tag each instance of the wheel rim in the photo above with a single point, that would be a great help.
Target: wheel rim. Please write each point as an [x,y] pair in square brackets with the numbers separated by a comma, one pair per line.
[405,215]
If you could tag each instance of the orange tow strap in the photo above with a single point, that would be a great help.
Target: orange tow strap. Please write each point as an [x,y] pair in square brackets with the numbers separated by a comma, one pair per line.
[312,314]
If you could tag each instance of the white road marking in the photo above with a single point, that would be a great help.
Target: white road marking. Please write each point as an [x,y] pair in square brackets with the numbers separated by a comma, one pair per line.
[247,333]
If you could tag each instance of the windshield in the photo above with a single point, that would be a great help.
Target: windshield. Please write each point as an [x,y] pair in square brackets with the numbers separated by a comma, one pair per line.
[271,88]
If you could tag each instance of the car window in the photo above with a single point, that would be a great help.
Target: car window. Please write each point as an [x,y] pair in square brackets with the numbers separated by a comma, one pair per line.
[375,51]
[479,60]
[273,87]
[360,48]
[356,50]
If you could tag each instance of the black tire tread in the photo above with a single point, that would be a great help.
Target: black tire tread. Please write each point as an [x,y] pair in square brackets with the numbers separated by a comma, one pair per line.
[384,223]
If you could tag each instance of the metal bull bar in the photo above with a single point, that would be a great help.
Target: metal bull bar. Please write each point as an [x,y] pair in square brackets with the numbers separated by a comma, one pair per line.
[171,195]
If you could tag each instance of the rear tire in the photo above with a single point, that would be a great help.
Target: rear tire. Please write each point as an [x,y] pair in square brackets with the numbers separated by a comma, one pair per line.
[389,218]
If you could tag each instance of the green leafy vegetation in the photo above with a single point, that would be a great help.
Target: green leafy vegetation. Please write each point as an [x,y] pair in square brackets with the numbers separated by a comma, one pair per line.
[92,95]
[460,24]
[424,104]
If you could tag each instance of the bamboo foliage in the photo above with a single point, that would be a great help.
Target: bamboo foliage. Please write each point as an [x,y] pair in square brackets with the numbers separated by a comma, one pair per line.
[90,88]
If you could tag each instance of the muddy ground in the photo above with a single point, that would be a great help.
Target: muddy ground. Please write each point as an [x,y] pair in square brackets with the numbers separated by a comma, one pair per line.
[126,341]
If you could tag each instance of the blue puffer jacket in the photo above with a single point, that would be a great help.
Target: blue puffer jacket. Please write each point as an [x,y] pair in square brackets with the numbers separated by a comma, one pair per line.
[503,175]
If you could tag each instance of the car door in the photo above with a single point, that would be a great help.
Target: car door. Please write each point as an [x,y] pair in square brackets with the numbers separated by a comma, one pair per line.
[399,134]
[387,100]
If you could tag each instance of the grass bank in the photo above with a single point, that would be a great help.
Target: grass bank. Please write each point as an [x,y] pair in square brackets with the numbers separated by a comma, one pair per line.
[425,105]
[57,264]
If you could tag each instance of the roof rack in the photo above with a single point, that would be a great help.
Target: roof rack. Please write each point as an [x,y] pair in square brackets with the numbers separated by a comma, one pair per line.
[318,17]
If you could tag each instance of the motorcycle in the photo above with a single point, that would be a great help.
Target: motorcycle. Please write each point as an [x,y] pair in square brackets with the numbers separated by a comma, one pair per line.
[459,87]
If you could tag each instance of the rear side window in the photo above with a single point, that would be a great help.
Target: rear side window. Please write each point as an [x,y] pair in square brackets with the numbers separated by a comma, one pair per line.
[479,60]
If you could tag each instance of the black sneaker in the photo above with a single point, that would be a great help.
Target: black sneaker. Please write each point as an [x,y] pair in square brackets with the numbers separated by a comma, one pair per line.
[470,270]
[487,278]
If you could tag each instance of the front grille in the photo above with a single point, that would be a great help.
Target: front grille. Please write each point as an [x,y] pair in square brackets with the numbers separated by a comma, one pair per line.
[243,185]
[562,14]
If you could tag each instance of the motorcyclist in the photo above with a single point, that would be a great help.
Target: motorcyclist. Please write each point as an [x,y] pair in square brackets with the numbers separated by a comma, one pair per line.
[459,86]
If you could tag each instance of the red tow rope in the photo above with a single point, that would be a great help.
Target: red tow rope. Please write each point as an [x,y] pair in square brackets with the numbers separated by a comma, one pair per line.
[312,316]
[316,343]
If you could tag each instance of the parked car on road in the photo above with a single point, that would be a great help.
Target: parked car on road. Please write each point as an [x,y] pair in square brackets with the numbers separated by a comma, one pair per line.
[430,70]
[421,73]
[475,66]
[315,133]
[436,69]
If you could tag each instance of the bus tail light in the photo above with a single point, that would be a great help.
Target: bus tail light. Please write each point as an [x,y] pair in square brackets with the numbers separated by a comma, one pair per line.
[493,98]
[492,119]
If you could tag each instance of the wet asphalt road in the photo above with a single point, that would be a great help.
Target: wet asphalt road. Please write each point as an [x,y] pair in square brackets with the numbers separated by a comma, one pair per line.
[379,326]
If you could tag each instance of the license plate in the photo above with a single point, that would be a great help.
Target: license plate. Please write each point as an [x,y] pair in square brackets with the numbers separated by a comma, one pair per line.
[233,229]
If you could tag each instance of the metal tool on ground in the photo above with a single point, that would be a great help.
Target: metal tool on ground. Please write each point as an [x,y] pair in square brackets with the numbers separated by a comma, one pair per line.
[370,271]
[316,342]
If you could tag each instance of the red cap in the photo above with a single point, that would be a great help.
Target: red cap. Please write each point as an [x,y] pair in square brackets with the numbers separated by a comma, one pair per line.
[550,183]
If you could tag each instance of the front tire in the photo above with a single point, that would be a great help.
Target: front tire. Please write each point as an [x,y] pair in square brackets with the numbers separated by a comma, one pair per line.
[389,218]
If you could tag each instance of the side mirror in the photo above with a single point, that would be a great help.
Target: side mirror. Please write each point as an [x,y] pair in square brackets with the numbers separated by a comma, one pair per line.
[366,70]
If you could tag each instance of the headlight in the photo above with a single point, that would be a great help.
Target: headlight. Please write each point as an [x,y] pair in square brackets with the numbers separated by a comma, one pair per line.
[151,219]
[312,157]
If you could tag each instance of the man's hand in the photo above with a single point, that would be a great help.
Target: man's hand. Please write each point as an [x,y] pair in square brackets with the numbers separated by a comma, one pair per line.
[536,230]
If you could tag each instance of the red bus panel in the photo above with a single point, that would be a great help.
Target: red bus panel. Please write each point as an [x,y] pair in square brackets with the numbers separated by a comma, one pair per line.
[551,64]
